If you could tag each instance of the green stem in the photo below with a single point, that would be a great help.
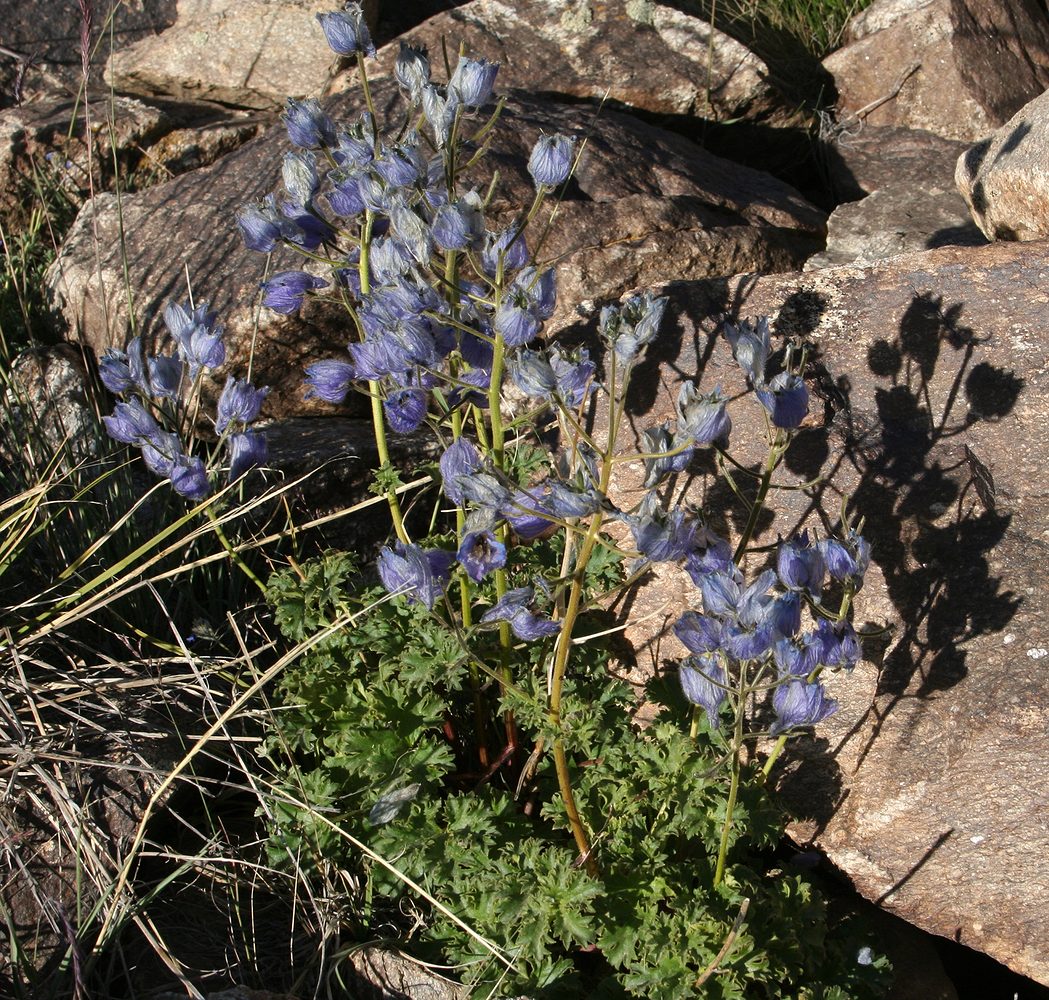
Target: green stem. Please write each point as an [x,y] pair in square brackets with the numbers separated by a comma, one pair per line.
[233,553]
[733,789]
[771,463]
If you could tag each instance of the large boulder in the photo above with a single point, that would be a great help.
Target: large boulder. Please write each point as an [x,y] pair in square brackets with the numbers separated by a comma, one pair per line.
[929,398]
[1005,178]
[959,68]
[640,54]
[251,54]
[646,206]
[45,39]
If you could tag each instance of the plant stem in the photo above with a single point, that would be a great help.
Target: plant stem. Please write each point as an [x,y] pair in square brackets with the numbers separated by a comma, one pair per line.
[733,789]
[771,463]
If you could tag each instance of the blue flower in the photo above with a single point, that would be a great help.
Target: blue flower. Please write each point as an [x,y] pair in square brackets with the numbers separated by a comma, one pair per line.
[347,31]
[130,423]
[483,489]
[515,322]
[798,657]
[786,399]
[699,633]
[115,371]
[633,325]
[515,607]
[703,681]
[299,173]
[189,478]
[460,458]
[260,225]
[533,375]
[456,226]
[199,340]
[412,70]
[658,463]
[839,646]
[420,574]
[799,703]
[285,291]
[565,502]
[471,83]
[663,536]
[702,417]
[405,409]
[551,160]
[801,566]
[400,165]
[344,198]
[329,380]
[847,560]
[480,553]
[507,248]
[751,345]
[575,375]
[240,402]
[165,376]
[246,450]
[160,451]
[526,513]
[308,126]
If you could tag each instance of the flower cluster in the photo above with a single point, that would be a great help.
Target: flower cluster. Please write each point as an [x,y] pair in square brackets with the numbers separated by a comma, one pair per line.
[161,384]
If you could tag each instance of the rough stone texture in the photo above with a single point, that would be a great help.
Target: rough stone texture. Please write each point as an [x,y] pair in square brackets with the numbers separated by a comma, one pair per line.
[385,975]
[1005,180]
[899,218]
[48,33]
[641,193]
[251,54]
[979,61]
[859,160]
[929,389]
[186,149]
[49,409]
[657,59]
[37,141]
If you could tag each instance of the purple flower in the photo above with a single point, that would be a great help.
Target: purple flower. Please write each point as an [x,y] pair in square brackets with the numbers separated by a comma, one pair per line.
[189,477]
[260,225]
[347,31]
[299,173]
[801,566]
[703,681]
[658,463]
[698,633]
[565,502]
[460,458]
[533,375]
[115,372]
[480,553]
[285,291]
[575,375]
[329,380]
[751,346]
[160,451]
[515,322]
[246,450]
[702,417]
[420,574]
[130,423]
[551,160]
[797,657]
[634,325]
[303,228]
[514,607]
[848,559]
[784,614]
[165,375]
[455,227]
[199,340]
[308,126]
[526,513]
[663,536]
[471,83]
[344,198]
[713,555]
[400,165]
[839,646]
[507,248]
[798,703]
[405,409]
[412,70]
[240,401]
[786,399]
[484,490]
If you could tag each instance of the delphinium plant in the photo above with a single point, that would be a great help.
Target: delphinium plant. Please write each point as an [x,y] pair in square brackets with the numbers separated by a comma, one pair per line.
[467,726]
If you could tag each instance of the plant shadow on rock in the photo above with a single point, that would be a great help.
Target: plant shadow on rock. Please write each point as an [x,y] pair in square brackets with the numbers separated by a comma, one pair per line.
[928,504]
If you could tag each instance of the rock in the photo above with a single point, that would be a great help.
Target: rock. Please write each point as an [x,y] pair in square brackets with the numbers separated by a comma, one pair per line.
[253,54]
[48,35]
[386,975]
[50,410]
[859,160]
[186,149]
[48,142]
[929,388]
[1004,179]
[645,201]
[896,219]
[959,68]
[643,55]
